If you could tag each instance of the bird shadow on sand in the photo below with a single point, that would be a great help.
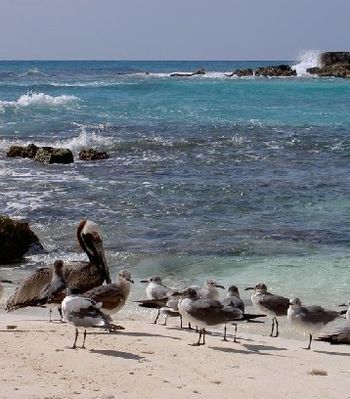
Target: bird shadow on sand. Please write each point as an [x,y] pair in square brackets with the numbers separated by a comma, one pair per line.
[113,353]
[333,353]
[133,334]
[250,350]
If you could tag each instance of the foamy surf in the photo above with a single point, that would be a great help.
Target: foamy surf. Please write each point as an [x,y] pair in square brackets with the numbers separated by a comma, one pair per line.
[308,59]
[37,99]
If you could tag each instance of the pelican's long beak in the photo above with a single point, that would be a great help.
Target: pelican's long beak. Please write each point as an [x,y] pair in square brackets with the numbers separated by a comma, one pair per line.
[249,288]
[6,281]
[343,304]
[131,281]
[219,286]
[144,281]
[100,253]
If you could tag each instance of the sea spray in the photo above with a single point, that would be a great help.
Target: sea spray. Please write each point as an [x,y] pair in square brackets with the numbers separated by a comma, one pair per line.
[308,59]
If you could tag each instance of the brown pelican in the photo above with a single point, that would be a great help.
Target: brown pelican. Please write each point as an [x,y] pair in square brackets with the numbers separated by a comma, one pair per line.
[84,312]
[113,296]
[81,274]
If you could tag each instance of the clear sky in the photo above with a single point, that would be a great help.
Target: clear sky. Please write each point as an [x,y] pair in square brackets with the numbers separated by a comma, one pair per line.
[171,29]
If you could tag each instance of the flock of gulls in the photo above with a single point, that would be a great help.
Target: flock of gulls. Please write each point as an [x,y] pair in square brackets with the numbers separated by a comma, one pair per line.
[83,300]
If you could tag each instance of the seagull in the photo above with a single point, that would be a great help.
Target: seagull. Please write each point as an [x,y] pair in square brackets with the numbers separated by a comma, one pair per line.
[207,312]
[346,312]
[234,300]
[209,290]
[112,296]
[342,335]
[84,312]
[171,308]
[157,294]
[309,318]
[54,291]
[271,304]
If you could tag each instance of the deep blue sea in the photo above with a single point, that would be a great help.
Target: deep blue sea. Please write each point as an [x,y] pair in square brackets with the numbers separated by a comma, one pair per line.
[240,179]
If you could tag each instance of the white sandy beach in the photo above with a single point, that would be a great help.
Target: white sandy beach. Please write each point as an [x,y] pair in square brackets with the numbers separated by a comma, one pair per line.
[153,361]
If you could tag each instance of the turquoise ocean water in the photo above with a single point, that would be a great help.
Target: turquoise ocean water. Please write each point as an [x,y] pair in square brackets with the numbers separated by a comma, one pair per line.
[241,179]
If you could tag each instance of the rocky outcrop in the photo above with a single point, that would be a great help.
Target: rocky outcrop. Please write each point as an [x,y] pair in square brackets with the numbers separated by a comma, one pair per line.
[24,152]
[334,57]
[45,155]
[267,71]
[241,73]
[49,155]
[92,155]
[279,70]
[16,238]
[333,63]
[188,74]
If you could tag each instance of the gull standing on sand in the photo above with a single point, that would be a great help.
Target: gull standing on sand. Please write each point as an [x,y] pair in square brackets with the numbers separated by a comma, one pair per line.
[113,296]
[207,312]
[84,312]
[309,318]
[157,294]
[80,274]
[54,291]
[342,335]
[271,304]
[234,300]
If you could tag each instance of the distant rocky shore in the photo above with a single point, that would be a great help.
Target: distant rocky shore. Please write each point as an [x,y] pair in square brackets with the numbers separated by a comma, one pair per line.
[336,63]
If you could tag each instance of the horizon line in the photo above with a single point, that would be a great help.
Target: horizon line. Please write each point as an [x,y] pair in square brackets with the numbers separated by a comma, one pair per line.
[140,60]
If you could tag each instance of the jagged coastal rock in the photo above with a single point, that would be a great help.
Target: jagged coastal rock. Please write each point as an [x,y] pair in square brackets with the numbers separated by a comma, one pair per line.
[271,70]
[16,238]
[24,152]
[49,155]
[46,155]
[279,70]
[333,63]
[92,155]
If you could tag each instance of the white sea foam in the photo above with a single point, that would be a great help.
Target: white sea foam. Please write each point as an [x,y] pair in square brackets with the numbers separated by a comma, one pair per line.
[308,59]
[37,99]
[85,139]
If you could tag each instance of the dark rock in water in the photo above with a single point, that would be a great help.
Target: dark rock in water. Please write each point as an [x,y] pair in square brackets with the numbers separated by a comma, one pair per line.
[16,238]
[334,57]
[24,152]
[49,155]
[336,70]
[279,70]
[241,72]
[188,74]
[92,155]
[333,63]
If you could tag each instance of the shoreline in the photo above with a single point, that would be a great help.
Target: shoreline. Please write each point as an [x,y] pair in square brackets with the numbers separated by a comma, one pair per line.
[151,361]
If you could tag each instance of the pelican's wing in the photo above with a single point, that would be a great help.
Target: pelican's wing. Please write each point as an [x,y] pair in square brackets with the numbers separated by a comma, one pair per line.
[110,295]
[30,289]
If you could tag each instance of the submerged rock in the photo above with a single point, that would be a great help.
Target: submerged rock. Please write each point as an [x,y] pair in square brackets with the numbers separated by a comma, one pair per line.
[49,155]
[21,151]
[92,155]
[16,238]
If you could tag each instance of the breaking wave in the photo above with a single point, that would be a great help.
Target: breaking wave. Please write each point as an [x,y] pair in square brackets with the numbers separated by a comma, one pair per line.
[308,59]
[37,99]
